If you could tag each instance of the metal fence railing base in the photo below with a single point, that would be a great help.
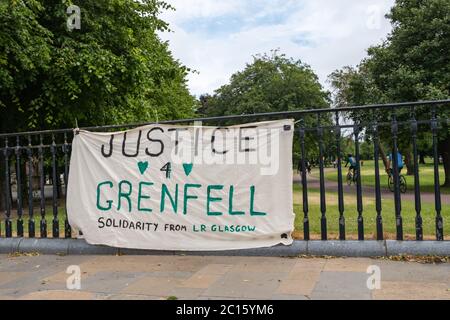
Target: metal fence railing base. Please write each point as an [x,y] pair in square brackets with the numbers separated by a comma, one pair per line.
[337,248]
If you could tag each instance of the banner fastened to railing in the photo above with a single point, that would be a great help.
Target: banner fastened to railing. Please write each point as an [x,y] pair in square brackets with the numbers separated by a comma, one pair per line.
[178,187]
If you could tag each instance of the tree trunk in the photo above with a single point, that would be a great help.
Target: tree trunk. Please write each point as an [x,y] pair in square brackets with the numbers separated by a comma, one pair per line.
[383,157]
[409,163]
[444,151]
[421,158]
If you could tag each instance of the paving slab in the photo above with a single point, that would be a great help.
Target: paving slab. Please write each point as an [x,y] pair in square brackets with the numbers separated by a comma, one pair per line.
[299,282]
[200,281]
[183,293]
[400,290]
[289,297]
[257,285]
[322,295]
[153,286]
[264,265]
[122,296]
[221,277]
[309,264]
[341,285]
[414,272]
[58,295]
[348,264]
[6,276]
[110,282]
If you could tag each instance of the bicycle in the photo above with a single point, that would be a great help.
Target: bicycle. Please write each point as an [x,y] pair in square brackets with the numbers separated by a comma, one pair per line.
[351,178]
[402,182]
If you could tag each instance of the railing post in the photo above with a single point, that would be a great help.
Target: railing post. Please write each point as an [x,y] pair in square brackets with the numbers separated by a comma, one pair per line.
[43,222]
[8,224]
[323,205]
[19,189]
[417,203]
[359,204]
[339,173]
[67,228]
[55,222]
[437,189]
[304,184]
[31,224]
[394,159]
[378,207]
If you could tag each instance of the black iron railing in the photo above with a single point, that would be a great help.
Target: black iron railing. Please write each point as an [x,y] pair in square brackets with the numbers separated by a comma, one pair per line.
[35,165]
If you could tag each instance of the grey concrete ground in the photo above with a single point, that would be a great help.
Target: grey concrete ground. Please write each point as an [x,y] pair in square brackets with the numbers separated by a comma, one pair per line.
[218,277]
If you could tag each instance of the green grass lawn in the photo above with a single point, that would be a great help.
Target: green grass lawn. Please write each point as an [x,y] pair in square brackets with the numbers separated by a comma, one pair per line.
[426,176]
[369,214]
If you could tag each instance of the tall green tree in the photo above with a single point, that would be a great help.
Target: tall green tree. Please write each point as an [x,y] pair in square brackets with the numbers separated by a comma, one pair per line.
[411,64]
[271,83]
[115,69]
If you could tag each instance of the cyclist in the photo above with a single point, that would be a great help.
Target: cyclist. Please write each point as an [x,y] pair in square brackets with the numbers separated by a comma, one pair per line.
[391,163]
[352,161]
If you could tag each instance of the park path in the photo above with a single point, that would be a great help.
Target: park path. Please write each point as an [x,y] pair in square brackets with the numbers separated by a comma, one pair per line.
[313,182]
[209,277]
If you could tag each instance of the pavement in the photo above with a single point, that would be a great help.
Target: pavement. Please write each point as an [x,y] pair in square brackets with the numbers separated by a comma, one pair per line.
[218,277]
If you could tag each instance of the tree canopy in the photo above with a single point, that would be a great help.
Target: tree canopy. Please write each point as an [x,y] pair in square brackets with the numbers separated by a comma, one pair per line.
[411,64]
[272,82]
[115,69]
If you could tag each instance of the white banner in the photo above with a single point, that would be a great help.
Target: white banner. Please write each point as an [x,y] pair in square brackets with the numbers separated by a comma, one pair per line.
[184,187]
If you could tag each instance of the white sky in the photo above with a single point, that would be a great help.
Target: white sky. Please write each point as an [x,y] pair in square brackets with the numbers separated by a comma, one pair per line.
[218,37]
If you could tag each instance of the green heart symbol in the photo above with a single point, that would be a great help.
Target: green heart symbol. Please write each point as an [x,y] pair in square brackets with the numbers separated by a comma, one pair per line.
[187,168]
[142,165]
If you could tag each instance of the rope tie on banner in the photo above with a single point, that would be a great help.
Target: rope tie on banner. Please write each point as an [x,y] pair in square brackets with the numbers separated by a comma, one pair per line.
[77,129]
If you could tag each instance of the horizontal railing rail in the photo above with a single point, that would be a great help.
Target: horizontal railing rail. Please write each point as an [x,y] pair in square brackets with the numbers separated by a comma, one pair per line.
[255,116]
[34,168]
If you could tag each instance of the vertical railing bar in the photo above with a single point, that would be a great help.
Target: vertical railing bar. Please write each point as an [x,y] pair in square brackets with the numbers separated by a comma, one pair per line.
[323,206]
[397,197]
[43,222]
[437,188]
[359,204]
[378,207]
[304,184]
[67,228]
[8,224]
[339,173]
[19,198]
[417,201]
[55,222]
[31,224]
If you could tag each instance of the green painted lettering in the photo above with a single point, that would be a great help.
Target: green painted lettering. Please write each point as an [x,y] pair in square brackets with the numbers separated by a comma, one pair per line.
[142,196]
[187,197]
[210,199]
[109,202]
[230,204]
[173,202]
[252,199]
[124,194]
